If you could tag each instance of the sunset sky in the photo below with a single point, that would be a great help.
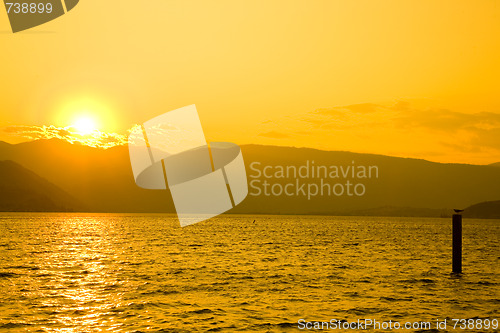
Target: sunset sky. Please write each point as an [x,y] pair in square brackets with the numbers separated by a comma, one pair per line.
[403,78]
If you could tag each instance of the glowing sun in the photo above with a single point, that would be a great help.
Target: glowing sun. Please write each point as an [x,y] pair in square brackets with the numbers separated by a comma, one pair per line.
[85,125]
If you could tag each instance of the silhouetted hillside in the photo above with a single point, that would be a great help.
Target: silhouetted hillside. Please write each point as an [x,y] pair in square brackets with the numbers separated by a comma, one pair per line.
[402,182]
[23,190]
[401,212]
[484,210]
[495,164]
[102,180]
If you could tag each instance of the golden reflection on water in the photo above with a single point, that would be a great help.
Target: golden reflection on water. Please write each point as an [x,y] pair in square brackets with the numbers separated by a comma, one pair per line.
[79,266]
[123,273]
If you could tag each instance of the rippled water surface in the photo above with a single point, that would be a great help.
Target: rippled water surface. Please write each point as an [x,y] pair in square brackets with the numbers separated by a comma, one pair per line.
[143,273]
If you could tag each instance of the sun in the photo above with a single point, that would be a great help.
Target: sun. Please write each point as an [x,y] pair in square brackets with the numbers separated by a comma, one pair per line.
[85,125]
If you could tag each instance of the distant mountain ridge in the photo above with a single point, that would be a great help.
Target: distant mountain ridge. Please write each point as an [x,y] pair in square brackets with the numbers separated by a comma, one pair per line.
[102,181]
[401,212]
[484,210]
[23,190]
[403,182]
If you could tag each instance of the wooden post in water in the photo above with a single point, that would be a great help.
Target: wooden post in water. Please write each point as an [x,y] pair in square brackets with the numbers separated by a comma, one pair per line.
[457,243]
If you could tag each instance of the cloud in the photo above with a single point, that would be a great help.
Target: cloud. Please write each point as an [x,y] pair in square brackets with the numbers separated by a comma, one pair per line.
[402,116]
[95,139]
[446,120]
[275,135]
[348,117]
[363,108]
[401,129]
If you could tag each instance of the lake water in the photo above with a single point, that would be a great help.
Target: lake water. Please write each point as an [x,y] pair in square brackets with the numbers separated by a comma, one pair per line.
[143,273]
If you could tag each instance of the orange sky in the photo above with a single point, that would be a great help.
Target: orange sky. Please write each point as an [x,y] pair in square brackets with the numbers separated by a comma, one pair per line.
[406,78]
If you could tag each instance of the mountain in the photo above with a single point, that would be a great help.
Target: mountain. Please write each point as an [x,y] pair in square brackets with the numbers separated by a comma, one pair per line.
[484,210]
[402,182]
[495,164]
[23,190]
[102,180]
[401,212]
